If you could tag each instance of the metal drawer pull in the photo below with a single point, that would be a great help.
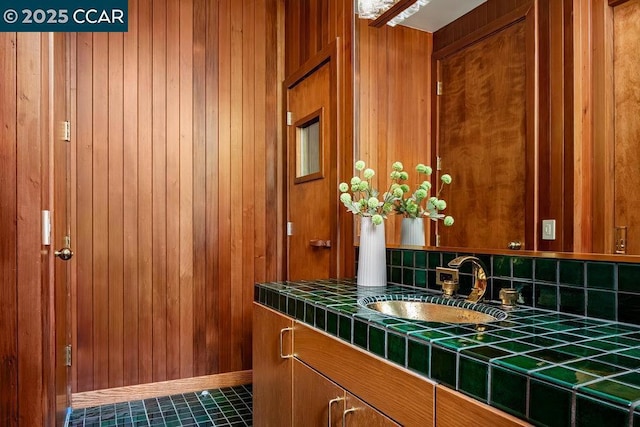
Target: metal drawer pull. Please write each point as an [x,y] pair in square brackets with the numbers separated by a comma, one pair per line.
[320,243]
[344,415]
[282,356]
[331,402]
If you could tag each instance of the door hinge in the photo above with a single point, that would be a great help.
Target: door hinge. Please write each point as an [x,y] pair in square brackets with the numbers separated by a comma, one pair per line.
[289,228]
[289,118]
[439,88]
[46,228]
[437,240]
[67,130]
[438,163]
[67,355]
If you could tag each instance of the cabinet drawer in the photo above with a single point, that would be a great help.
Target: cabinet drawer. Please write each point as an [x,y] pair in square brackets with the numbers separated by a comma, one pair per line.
[382,385]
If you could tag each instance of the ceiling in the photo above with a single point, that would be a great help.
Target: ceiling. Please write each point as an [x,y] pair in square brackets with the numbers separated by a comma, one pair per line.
[438,13]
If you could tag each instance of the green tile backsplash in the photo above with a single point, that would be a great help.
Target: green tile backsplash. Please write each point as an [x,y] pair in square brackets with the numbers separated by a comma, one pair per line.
[602,290]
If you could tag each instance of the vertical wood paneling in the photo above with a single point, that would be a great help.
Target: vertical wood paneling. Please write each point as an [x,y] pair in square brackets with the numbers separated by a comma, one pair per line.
[100,200]
[8,230]
[230,67]
[216,116]
[238,203]
[200,236]
[159,189]
[393,113]
[82,286]
[249,104]
[116,210]
[29,265]
[145,208]
[186,303]
[175,165]
[130,196]
[173,191]
[271,116]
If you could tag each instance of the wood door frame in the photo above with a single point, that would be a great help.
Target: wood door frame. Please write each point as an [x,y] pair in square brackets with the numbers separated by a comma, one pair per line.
[528,14]
[62,103]
[339,159]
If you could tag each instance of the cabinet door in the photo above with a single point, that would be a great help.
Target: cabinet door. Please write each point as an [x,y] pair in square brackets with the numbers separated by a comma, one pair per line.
[359,413]
[317,401]
[272,334]
[454,409]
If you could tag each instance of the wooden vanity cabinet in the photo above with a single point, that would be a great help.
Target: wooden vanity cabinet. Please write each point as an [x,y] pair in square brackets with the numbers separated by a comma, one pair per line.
[454,409]
[272,368]
[316,399]
[299,370]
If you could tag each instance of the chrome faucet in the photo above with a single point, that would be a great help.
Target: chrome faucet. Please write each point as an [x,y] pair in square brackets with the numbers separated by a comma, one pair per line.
[479,275]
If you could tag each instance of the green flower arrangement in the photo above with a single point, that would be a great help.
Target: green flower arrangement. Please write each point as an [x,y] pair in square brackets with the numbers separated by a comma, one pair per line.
[365,200]
[411,206]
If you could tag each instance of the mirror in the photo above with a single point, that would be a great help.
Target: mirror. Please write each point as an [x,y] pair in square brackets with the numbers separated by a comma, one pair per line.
[551,181]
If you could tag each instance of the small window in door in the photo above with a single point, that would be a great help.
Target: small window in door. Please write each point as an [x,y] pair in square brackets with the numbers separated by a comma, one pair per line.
[309,148]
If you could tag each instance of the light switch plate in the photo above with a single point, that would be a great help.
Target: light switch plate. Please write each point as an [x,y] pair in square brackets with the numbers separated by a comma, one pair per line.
[548,229]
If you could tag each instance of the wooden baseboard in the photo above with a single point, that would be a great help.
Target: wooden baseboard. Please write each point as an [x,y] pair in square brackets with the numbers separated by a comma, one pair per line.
[165,388]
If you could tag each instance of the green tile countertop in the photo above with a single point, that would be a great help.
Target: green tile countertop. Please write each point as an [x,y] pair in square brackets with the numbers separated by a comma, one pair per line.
[549,368]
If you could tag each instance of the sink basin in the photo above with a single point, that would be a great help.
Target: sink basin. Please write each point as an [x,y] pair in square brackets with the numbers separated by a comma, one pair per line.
[434,309]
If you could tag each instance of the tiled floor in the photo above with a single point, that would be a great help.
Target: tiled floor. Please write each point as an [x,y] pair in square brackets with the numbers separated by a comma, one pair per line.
[221,407]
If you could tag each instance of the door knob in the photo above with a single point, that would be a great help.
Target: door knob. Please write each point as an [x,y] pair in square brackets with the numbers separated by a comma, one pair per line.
[514,246]
[320,243]
[64,254]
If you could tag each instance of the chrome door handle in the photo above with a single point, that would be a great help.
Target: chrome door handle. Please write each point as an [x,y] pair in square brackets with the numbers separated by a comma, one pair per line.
[316,243]
[64,254]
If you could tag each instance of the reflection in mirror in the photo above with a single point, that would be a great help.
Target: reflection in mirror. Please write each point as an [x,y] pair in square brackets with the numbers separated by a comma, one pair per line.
[308,148]
[587,181]
[626,60]
[482,140]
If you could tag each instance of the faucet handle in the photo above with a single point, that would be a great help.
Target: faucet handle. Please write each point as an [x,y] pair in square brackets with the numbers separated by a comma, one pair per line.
[447,278]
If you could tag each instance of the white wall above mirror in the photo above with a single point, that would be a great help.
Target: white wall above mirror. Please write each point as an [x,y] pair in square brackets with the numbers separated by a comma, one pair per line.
[432,16]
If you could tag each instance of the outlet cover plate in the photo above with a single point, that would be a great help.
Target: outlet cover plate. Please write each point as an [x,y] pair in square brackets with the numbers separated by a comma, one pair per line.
[548,229]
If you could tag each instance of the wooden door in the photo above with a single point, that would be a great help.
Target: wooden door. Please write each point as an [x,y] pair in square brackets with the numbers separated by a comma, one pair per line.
[358,413]
[271,372]
[310,142]
[626,60]
[482,141]
[316,400]
[61,211]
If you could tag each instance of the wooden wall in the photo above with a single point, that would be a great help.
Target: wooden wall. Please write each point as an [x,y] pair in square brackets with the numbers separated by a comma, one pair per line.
[176,188]
[26,337]
[393,109]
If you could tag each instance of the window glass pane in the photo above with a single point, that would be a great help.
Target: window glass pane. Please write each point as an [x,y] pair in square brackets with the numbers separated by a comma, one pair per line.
[308,154]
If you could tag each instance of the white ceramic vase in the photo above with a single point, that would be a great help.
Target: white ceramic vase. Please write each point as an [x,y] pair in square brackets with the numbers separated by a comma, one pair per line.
[372,259]
[412,232]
